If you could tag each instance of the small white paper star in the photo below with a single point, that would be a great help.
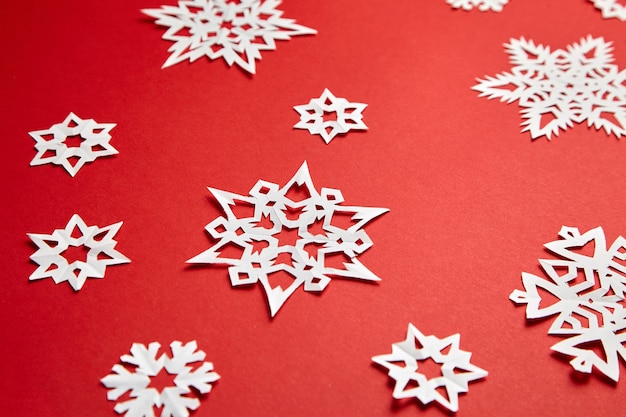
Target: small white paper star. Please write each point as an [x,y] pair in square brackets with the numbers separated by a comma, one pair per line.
[611,9]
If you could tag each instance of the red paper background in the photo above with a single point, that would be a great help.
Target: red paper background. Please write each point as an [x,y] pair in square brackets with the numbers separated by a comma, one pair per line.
[472,202]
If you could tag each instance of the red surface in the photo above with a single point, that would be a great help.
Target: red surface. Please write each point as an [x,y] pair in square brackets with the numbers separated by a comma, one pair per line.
[472,202]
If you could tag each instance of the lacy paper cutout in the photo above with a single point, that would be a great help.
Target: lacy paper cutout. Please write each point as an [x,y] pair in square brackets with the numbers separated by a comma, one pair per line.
[235,31]
[307,258]
[560,88]
[611,9]
[175,400]
[347,116]
[483,5]
[590,292]
[417,348]
[52,148]
[97,240]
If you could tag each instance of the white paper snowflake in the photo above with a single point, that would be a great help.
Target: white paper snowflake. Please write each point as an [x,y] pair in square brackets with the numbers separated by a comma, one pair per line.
[174,399]
[343,116]
[263,253]
[483,5]
[417,348]
[236,31]
[52,147]
[98,241]
[560,88]
[590,292]
[611,9]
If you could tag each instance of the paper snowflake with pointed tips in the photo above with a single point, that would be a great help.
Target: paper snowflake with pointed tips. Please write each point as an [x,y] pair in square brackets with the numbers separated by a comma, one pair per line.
[483,5]
[347,116]
[611,9]
[175,400]
[98,241]
[560,88]
[258,237]
[52,147]
[235,31]
[590,291]
[410,382]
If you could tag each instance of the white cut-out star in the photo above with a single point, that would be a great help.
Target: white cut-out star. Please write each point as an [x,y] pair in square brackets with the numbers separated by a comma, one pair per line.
[611,9]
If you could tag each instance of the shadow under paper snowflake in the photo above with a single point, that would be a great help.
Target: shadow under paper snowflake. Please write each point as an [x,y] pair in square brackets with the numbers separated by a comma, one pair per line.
[482,5]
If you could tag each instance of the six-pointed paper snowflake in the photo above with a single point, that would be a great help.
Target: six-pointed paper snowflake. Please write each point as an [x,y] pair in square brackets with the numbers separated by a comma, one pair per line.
[404,361]
[174,399]
[343,116]
[483,5]
[611,9]
[98,241]
[236,31]
[263,254]
[52,147]
[560,88]
[590,290]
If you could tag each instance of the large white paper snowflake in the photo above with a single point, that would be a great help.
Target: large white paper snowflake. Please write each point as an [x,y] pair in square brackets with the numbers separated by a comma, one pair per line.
[611,9]
[560,88]
[404,361]
[329,116]
[52,147]
[96,241]
[589,290]
[483,5]
[236,31]
[264,251]
[142,364]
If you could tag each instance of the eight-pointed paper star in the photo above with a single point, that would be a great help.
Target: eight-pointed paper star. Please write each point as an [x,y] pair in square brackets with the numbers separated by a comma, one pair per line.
[483,5]
[235,31]
[52,148]
[258,237]
[347,116]
[611,9]
[97,240]
[417,348]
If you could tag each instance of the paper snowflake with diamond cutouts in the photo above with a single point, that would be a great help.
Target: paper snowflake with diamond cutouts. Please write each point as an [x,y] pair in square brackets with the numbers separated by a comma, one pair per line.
[52,147]
[342,116]
[483,5]
[263,250]
[142,364]
[584,290]
[611,9]
[235,31]
[560,88]
[96,241]
[403,365]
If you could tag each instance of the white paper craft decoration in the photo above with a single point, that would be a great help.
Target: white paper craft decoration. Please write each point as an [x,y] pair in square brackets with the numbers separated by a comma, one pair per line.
[560,88]
[142,364]
[403,365]
[611,9]
[587,311]
[235,31]
[483,5]
[270,202]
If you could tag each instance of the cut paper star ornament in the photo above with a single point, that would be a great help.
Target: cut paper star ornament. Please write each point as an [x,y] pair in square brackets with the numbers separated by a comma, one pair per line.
[97,242]
[611,9]
[235,31]
[583,290]
[53,148]
[482,5]
[560,88]
[329,116]
[142,364]
[406,357]
[289,240]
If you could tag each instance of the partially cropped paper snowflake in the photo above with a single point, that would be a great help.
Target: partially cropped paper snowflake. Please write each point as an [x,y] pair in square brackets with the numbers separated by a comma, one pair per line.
[96,241]
[404,361]
[142,364]
[483,5]
[611,9]
[52,146]
[560,88]
[262,237]
[342,116]
[589,288]
[236,31]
